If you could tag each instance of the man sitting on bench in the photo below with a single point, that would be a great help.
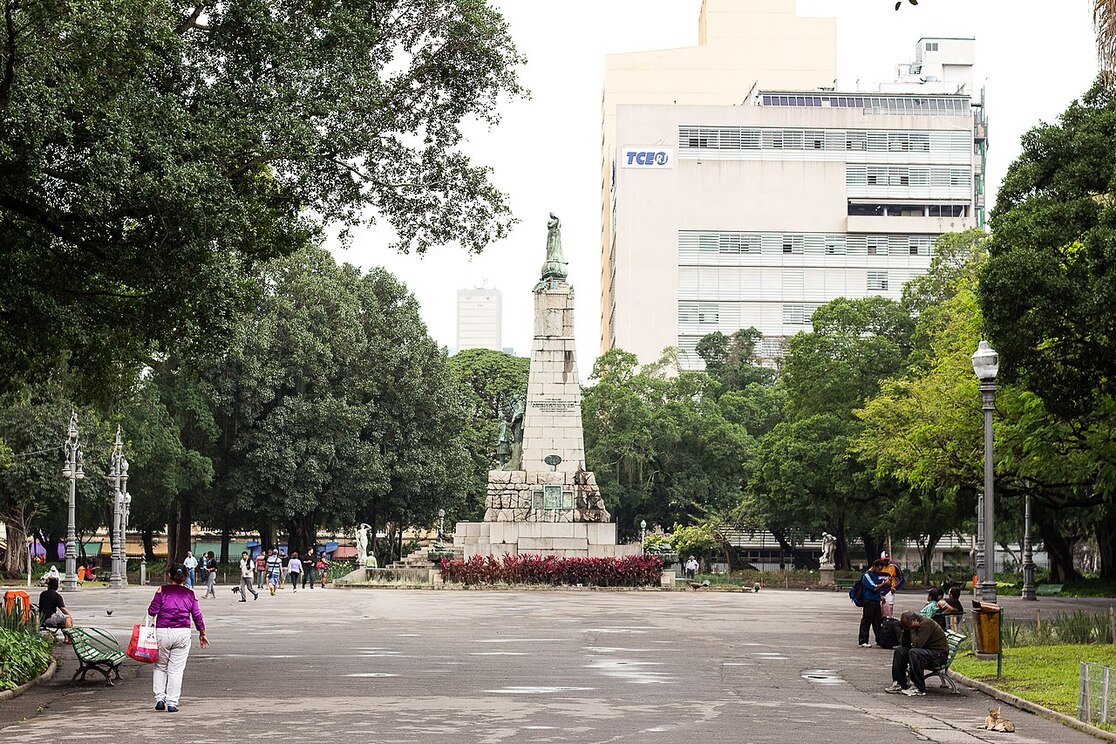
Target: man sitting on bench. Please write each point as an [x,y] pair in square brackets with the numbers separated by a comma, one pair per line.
[52,608]
[924,646]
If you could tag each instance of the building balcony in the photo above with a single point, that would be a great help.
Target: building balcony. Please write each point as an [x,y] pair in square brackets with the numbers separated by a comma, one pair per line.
[891,225]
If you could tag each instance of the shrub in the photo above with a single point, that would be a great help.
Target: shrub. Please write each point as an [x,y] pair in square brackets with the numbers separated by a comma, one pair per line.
[23,656]
[634,570]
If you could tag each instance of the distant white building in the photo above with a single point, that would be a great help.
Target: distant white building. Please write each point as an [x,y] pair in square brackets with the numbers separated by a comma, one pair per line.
[479,319]
[756,204]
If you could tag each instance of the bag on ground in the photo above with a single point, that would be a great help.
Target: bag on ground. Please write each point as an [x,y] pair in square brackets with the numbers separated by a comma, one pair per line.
[891,633]
[144,646]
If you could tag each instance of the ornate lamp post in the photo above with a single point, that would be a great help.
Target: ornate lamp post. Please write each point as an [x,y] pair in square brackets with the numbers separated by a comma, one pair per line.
[118,471]
[72,469]
[978,549]
[986,363]
[124,535]
[642,536]
[1028,555]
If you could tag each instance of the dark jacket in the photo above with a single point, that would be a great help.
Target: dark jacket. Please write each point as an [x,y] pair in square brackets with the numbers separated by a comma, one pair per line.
[928,635]
[873,583]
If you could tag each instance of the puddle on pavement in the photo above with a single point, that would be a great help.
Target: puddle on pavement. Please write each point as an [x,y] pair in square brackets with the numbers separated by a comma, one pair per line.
[371,674]
[537,690]
[497,653]
[632,671]
[768,656]
[823,677]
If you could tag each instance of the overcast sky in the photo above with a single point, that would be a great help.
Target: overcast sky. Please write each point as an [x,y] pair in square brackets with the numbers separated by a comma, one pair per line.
[1032,59]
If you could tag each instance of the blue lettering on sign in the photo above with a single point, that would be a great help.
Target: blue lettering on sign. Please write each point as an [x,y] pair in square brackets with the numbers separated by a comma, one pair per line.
[647,157]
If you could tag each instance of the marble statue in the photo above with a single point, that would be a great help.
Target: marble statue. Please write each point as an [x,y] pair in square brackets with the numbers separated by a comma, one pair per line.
[829,545]
[555,266]
[362,543]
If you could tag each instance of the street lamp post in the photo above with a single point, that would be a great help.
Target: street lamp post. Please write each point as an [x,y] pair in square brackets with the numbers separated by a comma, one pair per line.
[642,536]
[73,470]
[978,553]
[124,535]
[986,363]
[1028,555]
[118,471]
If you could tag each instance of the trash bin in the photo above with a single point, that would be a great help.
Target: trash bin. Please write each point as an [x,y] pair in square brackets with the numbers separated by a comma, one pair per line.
[986,629]
[17,601]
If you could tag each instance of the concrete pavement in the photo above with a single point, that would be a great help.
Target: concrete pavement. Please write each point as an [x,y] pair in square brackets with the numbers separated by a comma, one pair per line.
[512,666]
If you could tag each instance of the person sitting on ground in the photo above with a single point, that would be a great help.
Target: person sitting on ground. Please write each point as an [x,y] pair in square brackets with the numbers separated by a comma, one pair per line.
[877,583]
[924,646]
[52,608]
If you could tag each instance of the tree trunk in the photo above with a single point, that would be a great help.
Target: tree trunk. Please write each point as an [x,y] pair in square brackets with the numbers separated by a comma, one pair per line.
[267,539]
[872,548]
[928,558]
[800,558]
[225,539]
[148,545]
[51,545]
[15,559]
[172,535]
[1106,542]
[1060,551]
[184,538]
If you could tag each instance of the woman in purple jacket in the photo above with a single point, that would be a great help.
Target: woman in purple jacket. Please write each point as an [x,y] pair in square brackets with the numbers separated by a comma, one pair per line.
[172,607]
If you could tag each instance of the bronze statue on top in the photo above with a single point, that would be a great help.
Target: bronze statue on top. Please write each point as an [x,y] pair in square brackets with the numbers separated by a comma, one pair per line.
[555,266]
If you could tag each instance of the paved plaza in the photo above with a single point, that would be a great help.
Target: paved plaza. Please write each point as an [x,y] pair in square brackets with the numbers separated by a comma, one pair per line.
[512,666]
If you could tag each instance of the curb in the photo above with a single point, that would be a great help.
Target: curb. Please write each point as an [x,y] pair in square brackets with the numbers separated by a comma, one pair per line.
[1035,708]
[44,677]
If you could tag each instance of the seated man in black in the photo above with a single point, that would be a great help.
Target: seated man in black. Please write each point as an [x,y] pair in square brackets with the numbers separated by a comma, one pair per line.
[924,646]
[52,608]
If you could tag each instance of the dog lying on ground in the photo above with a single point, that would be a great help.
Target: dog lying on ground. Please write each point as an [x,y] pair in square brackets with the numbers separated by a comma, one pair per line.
[996,722]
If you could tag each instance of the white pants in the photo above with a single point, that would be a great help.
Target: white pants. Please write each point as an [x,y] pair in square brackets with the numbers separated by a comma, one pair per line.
[174,648]
[888,606]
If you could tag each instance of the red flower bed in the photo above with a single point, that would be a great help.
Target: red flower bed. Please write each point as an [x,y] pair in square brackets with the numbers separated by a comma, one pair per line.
[632,570]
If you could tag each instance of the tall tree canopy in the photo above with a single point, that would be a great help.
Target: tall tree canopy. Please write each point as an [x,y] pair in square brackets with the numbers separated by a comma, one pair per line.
[151,153]
[1048,293]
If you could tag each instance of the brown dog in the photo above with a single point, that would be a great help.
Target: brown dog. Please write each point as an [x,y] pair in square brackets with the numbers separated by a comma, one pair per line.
[996,722]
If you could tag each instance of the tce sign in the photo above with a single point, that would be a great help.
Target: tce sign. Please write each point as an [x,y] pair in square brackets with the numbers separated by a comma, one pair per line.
[646,157]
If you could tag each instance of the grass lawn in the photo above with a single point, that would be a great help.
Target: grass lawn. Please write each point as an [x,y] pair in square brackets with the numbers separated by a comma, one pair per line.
[1047,675]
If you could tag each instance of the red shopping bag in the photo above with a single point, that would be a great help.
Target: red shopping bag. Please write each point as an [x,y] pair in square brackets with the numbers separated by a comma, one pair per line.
[144,646]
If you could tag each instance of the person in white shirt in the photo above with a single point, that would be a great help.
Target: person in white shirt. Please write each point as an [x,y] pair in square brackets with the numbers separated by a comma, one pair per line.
[246,578]
[190,563]
[294,569]
[691,567]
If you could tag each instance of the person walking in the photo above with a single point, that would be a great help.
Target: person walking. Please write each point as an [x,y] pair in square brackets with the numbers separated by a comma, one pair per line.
[209,565]
[876,583]
[246,578]
[261,568]
[924,646]
[310,569]
[294,570]
[691,567]
[190,563]
[274,571]
[173,607]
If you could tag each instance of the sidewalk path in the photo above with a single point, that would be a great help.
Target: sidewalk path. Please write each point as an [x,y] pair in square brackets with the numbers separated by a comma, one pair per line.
[542,666]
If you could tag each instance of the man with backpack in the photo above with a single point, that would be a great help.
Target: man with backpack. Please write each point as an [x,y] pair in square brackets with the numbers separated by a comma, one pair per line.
[867,594]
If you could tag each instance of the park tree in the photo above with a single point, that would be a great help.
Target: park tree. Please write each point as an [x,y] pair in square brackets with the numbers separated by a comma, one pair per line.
[153,154]
[490,383]
[335,407]
[664,448]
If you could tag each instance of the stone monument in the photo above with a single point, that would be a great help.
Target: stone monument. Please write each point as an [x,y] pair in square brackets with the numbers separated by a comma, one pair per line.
[829,545]
[545,501]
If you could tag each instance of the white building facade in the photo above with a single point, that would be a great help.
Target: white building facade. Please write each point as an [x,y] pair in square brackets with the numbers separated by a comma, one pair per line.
[722,217]
[479,319]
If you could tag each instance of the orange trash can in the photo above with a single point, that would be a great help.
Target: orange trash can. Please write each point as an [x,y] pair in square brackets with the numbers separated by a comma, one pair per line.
[16,601]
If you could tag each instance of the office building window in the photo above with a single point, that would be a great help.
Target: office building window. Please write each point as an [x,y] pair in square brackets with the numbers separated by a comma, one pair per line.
[877,281]
[792,243]
[876,245]
[794,314]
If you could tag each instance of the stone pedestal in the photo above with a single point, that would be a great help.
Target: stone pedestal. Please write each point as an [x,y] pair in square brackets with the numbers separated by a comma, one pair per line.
[563,539]
[827,578]
[523,496]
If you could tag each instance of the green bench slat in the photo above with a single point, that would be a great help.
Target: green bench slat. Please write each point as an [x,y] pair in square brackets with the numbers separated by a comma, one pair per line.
[1048,590]
[96,650]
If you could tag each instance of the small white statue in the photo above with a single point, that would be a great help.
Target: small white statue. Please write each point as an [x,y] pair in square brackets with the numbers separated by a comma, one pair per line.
[829,545]
[362,543]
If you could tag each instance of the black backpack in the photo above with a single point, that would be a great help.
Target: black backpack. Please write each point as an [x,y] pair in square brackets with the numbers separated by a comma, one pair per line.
[856,592]
[891,633]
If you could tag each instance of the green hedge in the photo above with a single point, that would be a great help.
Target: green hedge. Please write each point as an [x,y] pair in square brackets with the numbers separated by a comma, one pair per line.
[23,656]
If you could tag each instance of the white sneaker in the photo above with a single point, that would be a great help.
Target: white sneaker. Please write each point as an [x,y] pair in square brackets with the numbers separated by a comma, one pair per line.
[866,645]
[914,692]
[895,687]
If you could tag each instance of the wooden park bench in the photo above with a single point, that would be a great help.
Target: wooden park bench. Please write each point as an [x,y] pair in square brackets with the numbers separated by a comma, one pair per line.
[942,672]
[845,584]
[1048,590]
[96,650]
